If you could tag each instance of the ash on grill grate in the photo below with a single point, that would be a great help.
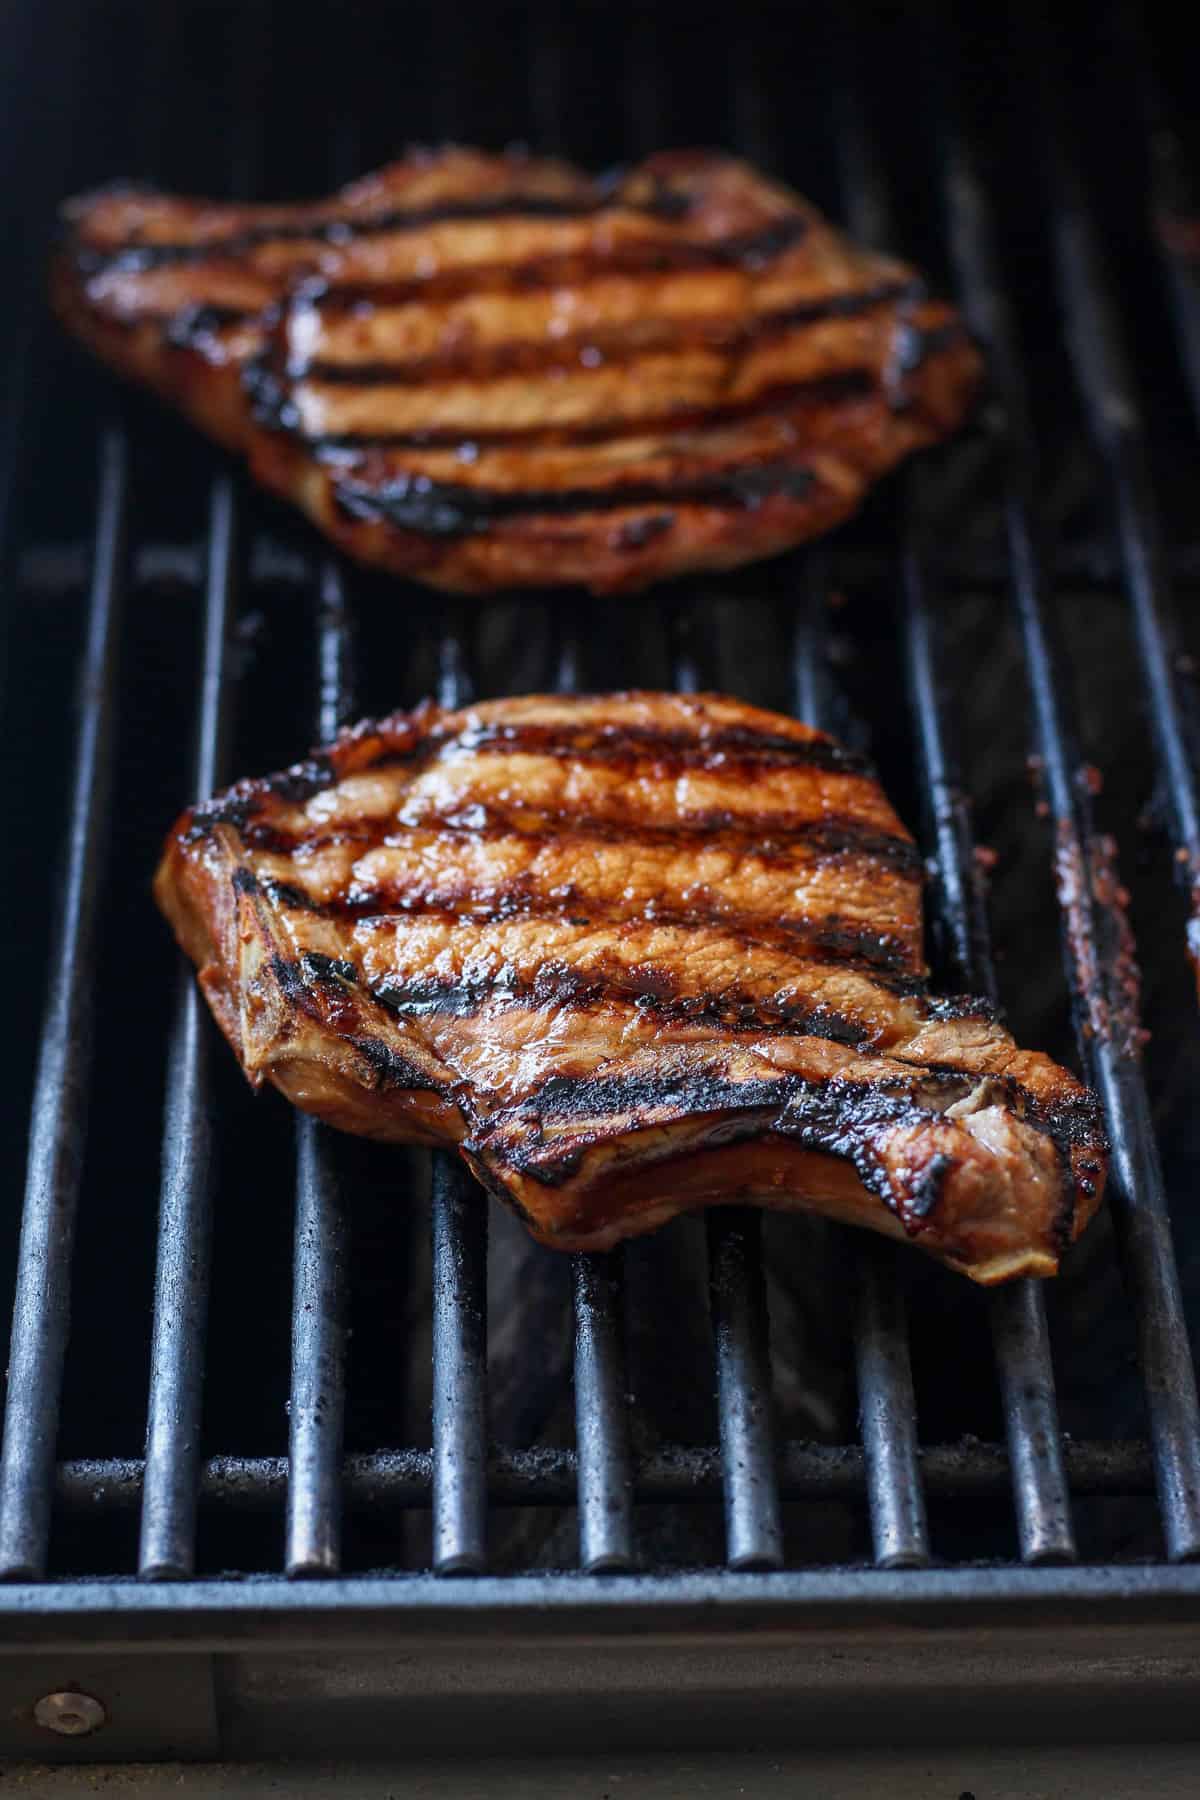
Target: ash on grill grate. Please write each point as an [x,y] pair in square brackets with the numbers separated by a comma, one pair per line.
[993,607]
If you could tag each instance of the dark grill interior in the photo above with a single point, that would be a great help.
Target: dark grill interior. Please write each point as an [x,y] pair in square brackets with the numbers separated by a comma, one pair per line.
[1029,594]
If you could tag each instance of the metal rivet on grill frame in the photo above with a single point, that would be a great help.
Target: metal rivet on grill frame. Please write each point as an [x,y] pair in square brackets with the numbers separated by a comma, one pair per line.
[70,1714]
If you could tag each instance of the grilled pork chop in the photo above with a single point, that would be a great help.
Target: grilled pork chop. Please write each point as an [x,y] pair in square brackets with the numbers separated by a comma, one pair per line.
[487,371]
[633,955]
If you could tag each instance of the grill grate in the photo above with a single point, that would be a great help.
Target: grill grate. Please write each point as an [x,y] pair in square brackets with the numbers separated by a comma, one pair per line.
[460,1477]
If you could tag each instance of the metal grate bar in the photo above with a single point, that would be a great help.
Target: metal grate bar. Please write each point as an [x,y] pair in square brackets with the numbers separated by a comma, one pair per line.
[181,1282]
[753,1526]
[1097,948]
[459,1370]
[459,1212]
[1020,1336]
[1103,370]
[888,1414]
[318,1384]
[605,1496]
[887,1405]
[676,1473]
[316,1416]
[41,1311]
[886,1399]
[1018,1312]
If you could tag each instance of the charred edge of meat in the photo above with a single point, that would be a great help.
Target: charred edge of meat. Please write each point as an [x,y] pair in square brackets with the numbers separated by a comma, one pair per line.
[752,250]
[650,991]
[946,1008]
[492,1185]
[1063,1228]
[837,1116]
[304,779]
[136,258]
[444,509]
[1078,1119]
[239,804]
[530,355]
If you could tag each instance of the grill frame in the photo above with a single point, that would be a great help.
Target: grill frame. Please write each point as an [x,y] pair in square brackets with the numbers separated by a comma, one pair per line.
[460,1474]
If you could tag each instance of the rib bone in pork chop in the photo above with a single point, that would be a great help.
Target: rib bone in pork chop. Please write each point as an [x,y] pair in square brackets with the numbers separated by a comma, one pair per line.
[633,955]
[486,371]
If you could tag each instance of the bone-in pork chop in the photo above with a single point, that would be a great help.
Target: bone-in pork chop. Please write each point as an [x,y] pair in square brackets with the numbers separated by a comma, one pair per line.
[632,954]
[488,371]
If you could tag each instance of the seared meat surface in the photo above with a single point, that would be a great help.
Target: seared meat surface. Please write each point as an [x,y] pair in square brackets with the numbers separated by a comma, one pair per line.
[488,371]
[632,954]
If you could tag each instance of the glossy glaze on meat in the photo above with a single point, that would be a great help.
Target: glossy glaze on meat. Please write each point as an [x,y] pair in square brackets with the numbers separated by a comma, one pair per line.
[633,954]
[490,371]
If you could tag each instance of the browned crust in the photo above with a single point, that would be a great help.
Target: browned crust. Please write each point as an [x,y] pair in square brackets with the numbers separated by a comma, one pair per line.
[876,1105]
[729,377]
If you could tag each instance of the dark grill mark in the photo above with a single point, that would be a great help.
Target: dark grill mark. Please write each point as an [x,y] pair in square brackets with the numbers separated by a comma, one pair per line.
[275,411]
[290,979]
[767,837]
[752,250]
[734,751]
[886,960]
[929,1185]
[303,779]
[653,991]
[729,745]
[236,808]
[448,510]
[616,345]
[319,968]
[665,203]
[284,893]
[389,1069]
